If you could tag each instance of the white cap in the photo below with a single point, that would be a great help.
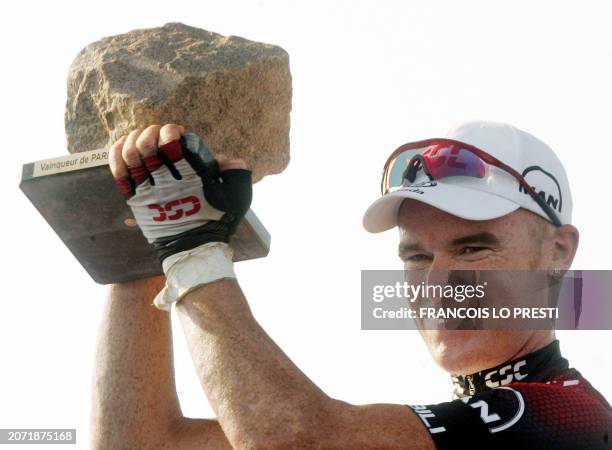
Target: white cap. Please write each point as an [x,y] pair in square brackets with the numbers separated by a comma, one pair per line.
[495,195]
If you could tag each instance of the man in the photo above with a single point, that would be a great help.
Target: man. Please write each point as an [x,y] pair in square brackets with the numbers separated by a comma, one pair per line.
[464,202]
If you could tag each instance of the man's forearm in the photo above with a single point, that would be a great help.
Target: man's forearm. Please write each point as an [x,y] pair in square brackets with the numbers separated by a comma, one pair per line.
[260,397]
[134,397]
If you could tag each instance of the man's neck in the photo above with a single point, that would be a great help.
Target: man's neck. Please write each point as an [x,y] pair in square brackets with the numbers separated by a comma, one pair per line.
[538,340]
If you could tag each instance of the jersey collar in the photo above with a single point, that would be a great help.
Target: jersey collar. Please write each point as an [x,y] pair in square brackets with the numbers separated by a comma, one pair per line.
[536,366]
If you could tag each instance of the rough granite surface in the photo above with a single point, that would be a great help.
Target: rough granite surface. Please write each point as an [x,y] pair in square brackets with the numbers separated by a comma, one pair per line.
[235,93]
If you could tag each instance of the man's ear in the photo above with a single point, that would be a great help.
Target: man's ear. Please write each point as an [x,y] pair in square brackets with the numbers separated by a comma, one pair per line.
[566,239]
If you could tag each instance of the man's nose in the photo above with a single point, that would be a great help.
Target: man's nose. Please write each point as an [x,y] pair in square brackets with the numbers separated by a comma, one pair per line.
[439,269]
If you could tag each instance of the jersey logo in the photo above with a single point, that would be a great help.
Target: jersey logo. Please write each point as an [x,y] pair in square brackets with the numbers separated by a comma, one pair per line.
[505,375]
[484,411]
[425,414]
[187,206]
[488,416]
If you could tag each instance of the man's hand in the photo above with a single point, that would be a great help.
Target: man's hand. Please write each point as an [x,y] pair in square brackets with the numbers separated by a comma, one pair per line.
[177,202]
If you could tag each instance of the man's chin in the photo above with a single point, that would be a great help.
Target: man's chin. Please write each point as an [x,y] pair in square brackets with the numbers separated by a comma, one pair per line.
[465,351]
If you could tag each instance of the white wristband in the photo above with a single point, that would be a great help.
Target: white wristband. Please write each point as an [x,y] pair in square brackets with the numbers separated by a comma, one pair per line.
[185,271]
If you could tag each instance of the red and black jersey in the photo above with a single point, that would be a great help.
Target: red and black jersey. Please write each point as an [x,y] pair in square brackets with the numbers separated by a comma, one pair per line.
[534,402]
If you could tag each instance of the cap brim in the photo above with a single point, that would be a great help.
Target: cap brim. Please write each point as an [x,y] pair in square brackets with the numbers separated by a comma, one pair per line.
[463,202]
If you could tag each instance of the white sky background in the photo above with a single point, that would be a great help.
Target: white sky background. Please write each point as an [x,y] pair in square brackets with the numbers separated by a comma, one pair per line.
[367,77]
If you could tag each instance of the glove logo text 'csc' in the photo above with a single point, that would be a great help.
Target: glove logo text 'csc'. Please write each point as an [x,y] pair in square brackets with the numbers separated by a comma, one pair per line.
[178,213]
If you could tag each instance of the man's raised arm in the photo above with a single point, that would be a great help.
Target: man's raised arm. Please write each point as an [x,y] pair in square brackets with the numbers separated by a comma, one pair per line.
[261,398]
[134,401]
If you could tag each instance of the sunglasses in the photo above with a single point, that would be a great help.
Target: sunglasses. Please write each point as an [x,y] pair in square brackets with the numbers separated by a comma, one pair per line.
[441,158]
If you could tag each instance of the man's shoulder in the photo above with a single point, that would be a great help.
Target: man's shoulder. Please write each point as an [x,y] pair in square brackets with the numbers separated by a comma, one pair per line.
[564,390]
[564,411]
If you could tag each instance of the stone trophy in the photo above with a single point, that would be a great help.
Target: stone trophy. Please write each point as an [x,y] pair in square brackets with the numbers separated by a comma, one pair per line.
[234,93]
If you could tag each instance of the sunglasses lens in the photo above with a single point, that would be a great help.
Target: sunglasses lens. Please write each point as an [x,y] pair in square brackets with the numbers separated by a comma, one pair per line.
[447,160]
[394,173]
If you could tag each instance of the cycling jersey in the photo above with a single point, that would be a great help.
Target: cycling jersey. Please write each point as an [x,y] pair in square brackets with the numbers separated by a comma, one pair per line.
[533,402]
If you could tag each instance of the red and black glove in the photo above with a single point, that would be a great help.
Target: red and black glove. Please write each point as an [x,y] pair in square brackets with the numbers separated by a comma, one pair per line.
[180,200]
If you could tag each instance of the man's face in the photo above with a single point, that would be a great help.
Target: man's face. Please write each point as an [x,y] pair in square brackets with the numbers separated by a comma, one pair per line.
[431,239]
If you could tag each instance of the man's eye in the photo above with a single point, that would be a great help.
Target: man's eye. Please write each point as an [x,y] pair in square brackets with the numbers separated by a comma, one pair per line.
[417,258]
[472,250]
